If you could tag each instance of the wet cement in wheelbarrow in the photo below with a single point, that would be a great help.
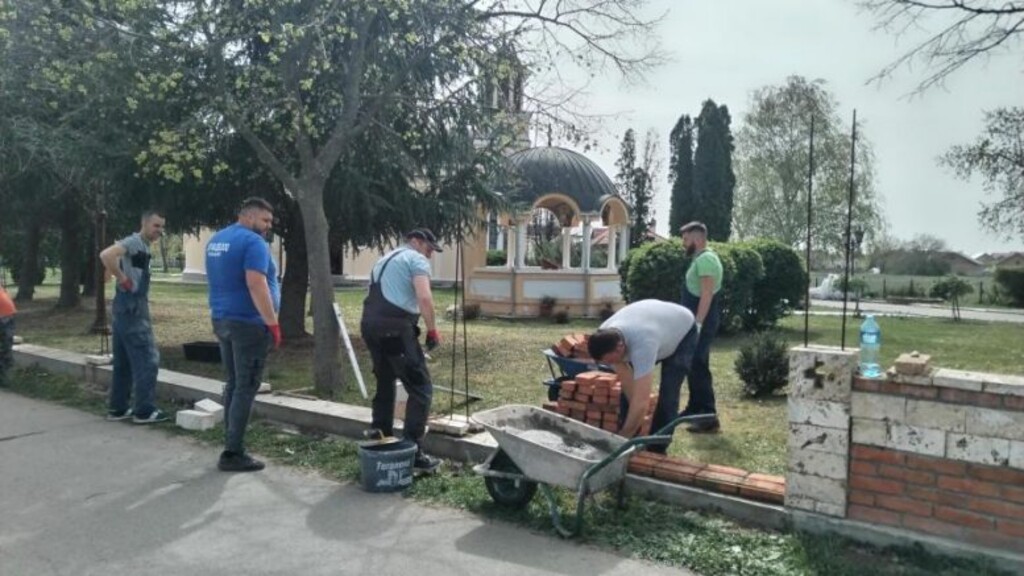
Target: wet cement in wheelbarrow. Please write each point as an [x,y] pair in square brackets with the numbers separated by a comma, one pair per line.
[561,444]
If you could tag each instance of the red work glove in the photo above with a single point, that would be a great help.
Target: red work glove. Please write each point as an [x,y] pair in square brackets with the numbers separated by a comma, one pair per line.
[433,339]
[275,332]
[126,284]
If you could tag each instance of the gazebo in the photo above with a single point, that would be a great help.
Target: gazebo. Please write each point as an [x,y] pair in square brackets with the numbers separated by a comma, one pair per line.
[569,199]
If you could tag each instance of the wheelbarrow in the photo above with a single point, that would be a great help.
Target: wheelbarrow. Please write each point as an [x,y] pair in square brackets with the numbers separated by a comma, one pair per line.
[538,447]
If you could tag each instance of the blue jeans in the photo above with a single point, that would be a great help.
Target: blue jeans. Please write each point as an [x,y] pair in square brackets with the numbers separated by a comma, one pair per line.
[243,353]
[673,371]
[136,362]
[702,392]
[6,347]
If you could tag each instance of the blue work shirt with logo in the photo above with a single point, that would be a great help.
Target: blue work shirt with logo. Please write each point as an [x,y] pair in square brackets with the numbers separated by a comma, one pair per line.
[229,254]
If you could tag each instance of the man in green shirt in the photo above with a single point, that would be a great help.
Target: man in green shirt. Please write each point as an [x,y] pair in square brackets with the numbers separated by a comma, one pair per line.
[700,296]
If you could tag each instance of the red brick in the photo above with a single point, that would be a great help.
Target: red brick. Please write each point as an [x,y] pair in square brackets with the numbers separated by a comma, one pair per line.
[971,398]
[578,415]
[594,415]
[932,526]
[862,498]
[879,485]
[906,475]
[912,391]
[550,406]
[873,515]
[772,495]
[582,396]
[569,386]
[1012,493]
[901,504]
[1010,528]
[649,456]
[964,518]
[727,470]
[940,465]
[968,486]
[755,477]
[863,468]
[862,452]
[935,496]
[676,473]
[588,378]
[575,405]
[563,409]
[601,400]
[996,508]
[641,467]
[1013,402]
[719,482]
[996,474]
[614,428]
[866,384]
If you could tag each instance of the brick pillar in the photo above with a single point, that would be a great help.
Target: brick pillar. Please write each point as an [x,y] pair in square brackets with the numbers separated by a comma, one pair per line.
[821,383]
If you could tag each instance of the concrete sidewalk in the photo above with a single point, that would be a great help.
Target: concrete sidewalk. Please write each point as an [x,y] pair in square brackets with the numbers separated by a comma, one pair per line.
[82,496]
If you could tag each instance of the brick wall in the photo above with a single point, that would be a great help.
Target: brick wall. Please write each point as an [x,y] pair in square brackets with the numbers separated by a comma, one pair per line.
[940,454]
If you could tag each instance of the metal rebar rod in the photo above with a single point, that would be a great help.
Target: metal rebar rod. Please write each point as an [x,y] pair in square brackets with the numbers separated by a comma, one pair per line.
[810,190]
[849,227]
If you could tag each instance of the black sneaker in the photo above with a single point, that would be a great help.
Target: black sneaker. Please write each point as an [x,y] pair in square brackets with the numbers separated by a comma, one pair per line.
[706,427]
[425,463]
[113,416]
[231,462]
[373,434]
[154,417]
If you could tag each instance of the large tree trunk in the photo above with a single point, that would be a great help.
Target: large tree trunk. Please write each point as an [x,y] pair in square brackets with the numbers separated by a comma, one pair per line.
[70,255]
[30,261]
[326,367]
[296,281]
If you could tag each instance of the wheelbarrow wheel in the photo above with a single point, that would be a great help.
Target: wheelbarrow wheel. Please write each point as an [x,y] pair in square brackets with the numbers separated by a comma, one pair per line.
[510,493]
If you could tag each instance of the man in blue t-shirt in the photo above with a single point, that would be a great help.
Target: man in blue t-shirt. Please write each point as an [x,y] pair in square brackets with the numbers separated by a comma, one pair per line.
[399,294]
[238,266]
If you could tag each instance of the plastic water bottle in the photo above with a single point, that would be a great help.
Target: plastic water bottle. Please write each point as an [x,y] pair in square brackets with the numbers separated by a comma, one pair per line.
[870,343]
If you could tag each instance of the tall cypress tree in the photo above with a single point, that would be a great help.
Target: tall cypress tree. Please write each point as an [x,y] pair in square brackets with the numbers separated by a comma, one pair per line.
[713,178]
[626,164]
[680,173]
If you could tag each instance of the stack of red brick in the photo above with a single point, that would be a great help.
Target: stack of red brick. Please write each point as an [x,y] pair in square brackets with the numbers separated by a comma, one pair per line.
[593,398]
[721,479]
[573,346]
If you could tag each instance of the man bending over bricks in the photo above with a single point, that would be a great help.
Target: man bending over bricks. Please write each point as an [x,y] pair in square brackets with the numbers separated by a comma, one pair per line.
[632,341]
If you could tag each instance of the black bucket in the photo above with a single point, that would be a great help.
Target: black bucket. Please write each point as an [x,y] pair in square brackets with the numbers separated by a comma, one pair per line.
[387,467]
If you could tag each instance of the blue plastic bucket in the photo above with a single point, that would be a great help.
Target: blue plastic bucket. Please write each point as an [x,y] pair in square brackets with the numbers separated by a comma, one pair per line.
[387,467]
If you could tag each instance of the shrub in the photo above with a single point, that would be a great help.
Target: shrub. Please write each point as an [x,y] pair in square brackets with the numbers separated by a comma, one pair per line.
[742,270]
[561,317]
[654,270]
[950,289]
[547,306]
[763,364]
[780,289]
[1011,284]
[607,310]
[471,311]
[497,257]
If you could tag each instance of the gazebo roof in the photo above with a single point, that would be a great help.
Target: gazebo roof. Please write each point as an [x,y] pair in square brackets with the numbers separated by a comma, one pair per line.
[553,170]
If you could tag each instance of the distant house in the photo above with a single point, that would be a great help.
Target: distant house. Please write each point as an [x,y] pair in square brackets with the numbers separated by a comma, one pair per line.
[961,264]
[1011,260]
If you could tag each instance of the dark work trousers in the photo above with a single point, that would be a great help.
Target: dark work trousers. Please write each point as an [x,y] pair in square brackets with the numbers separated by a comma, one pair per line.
[396,354]
[702,392]
[674,370]
[243,354]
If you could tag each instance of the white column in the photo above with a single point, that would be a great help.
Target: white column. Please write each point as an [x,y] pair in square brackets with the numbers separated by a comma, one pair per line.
[566,247]
[520,244]
[624,242]
[500,243]
[510,254]
[612,247]
[586,242]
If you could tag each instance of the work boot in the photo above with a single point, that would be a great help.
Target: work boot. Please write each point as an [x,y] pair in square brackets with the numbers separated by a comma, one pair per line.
[232,462]
[425,463]
[711,426]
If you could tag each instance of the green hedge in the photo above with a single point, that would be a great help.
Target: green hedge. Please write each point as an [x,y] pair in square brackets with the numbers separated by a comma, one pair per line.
[762,280]
[1011,283]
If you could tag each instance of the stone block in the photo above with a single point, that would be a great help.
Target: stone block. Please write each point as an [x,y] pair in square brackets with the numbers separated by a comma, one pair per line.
[995,423]
[917,439]
[265,388]
[820,464]
[821,373]
[912,364]
[210,407]
[1005,384]
[878,407]
[870,432]
[800,502]
[819,413]
[839,511]
[195,420]
[938,415]
[959,379]
[18,340]
[1017,454]
[818,439]
[816,488]
[979,449]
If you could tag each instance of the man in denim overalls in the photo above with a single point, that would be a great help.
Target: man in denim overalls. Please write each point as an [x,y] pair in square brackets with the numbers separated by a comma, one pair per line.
[399,293]
[701,296]
[136,359]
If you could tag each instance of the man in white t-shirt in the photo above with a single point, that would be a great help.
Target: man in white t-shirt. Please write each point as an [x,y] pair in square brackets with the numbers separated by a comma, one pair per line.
[635,339]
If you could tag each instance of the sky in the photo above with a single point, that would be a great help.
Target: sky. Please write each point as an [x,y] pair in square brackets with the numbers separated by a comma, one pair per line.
[725,49]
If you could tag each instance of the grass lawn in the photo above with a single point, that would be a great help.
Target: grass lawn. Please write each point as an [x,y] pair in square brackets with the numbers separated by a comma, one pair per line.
[506,364]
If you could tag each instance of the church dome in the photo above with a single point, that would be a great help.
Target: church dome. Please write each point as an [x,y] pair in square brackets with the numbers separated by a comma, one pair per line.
[552,170]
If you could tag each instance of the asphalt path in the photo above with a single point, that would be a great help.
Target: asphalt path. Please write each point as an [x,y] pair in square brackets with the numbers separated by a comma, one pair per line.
[82,496]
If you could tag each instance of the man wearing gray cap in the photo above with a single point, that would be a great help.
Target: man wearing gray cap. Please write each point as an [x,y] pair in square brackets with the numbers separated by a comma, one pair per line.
[399,294]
